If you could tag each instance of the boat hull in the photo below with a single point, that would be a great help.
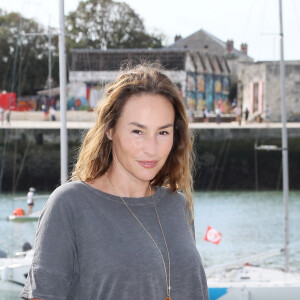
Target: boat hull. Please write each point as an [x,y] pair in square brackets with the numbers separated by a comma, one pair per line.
[22,218]
[254,293]
[14,271]
[254,283]
[26,218]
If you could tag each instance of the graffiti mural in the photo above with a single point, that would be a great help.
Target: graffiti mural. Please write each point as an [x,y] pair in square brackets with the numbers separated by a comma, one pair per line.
[200,92]
[225,91]
[95,94]
[218,97]
[191,98]
[209,92]
[77,98]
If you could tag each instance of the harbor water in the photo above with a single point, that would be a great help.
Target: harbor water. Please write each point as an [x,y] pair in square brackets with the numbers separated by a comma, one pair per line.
[250,223]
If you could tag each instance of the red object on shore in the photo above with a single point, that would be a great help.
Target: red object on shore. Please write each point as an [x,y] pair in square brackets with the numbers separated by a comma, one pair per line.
[212,235]
[8,100]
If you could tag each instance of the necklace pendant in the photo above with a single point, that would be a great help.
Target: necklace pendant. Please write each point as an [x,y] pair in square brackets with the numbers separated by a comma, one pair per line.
[168,298]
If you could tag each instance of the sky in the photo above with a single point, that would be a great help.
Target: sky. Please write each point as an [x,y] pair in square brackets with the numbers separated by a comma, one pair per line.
[255,22]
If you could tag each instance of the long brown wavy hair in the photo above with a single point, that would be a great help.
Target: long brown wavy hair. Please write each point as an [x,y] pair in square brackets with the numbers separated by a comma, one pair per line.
[95,155]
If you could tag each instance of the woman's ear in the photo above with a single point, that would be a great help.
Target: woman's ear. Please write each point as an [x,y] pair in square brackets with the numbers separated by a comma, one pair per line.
[109,134]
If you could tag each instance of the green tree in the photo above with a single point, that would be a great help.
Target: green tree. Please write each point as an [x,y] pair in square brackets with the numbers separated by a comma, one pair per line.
[23,57]
[94,24]
[108,24]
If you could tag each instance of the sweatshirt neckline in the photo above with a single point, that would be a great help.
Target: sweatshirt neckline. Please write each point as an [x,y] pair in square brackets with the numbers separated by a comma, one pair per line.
[132,201]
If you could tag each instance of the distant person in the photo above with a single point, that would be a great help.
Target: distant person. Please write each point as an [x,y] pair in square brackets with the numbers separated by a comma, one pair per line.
[52,112]
[30,200]
[46,113]
[246,114]
[8,116]
[238,112]
[259,118]
[191,114]
[1,115]
[234,103]
[205,114]
[218,115]
[267,115]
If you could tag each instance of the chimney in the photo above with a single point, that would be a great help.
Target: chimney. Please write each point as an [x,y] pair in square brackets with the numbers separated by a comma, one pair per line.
[177,37]
[244,48]
[229,46]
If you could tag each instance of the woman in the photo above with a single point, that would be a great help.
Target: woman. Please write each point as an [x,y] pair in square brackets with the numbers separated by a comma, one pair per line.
[121,229]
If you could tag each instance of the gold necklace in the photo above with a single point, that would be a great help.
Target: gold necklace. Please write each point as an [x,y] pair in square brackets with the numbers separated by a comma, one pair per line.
[168,282]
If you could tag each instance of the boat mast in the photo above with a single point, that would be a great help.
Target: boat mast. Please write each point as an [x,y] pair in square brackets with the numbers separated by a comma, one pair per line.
[284,145]
[49,63]
[62,80]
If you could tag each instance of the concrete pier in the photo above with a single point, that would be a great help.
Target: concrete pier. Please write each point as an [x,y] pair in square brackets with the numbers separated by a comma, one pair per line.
[37,124]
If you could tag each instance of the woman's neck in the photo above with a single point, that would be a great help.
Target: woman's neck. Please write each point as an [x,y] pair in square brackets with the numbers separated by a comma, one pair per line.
[126,185]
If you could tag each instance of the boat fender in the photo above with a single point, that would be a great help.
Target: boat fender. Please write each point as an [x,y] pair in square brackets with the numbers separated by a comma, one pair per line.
[18,212]
[3,254]
[26,246]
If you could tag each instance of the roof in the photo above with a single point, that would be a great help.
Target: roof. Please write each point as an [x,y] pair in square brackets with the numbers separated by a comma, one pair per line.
[112,59]
[203,41]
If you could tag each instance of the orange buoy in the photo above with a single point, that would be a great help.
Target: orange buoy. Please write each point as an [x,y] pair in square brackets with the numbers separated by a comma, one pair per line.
[18,212]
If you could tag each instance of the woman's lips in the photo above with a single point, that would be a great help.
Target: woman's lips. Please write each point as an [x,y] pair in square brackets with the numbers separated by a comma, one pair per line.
[148,163]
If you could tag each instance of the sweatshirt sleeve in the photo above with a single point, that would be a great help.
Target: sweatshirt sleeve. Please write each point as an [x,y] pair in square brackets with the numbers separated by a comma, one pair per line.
[54,263]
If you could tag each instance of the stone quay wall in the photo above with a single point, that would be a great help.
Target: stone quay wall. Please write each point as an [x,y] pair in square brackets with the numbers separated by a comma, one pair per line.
[225,158]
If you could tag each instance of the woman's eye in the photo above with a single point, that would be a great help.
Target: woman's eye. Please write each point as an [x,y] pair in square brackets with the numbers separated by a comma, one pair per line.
[137,131]
[163,132]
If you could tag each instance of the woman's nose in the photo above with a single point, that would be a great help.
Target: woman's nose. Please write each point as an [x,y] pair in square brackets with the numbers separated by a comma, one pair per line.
[151,145]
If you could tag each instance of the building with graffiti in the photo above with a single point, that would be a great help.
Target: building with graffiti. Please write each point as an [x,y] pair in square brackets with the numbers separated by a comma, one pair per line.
[207,82]
[202,66]
[202,78]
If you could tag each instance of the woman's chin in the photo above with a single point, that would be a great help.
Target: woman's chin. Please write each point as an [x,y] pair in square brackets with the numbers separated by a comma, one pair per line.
[146,176]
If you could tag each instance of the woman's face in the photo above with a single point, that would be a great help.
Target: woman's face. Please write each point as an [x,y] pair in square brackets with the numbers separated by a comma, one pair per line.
[143,137]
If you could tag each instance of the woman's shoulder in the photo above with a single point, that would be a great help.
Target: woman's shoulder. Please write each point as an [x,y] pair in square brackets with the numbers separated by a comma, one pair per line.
[165,192]
[174,200]
[67,193]
[72,187]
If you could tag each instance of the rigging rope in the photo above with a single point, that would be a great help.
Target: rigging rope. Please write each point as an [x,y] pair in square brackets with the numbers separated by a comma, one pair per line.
[217,163]
[3,158]
[23,160]
[227,147]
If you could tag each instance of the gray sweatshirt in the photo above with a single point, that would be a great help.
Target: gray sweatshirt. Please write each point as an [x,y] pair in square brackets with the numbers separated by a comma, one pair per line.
[89,246]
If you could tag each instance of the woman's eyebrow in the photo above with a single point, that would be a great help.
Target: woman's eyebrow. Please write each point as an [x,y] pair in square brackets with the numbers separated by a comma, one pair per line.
[166,126]
[138,125]
[143,126]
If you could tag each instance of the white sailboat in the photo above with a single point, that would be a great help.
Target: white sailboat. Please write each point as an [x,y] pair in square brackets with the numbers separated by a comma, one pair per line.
[14,270]
[26,218]
[241,281]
